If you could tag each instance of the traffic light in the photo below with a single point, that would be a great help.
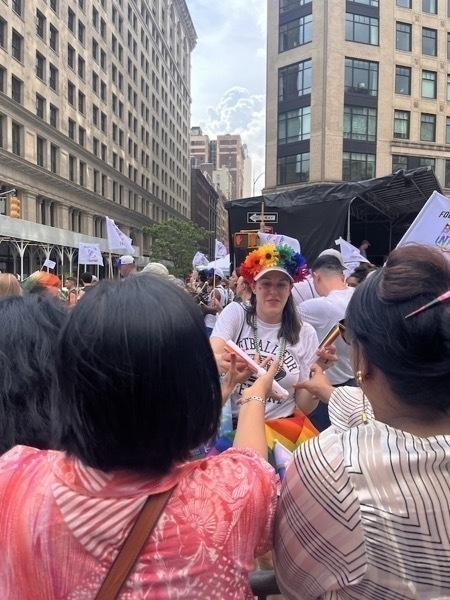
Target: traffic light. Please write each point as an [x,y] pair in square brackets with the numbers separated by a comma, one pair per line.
[14,207]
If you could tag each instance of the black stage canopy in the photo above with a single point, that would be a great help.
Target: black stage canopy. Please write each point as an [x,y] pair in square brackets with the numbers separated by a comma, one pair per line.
[379,210]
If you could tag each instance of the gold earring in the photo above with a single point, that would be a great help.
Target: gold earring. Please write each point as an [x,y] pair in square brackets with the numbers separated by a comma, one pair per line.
[360,379]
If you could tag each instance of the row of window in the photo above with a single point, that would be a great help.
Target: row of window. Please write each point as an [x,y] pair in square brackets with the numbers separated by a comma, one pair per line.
[361,29]
[428,6]
[356,166]
[361,76]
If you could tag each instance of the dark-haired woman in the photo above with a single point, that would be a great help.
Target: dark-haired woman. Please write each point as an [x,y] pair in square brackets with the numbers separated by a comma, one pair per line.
[268,325]
[137,390]
[364,510]
[29,327]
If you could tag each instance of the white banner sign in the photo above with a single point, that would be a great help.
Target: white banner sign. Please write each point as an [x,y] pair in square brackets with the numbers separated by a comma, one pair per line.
[89,254]
[277,239]
[432,225]
[50,264]
[117,240]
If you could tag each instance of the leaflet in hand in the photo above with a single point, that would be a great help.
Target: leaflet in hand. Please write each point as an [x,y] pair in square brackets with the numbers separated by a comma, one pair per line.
[257,369]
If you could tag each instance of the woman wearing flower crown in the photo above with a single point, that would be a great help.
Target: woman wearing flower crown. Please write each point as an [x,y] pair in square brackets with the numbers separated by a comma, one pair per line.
[269,326]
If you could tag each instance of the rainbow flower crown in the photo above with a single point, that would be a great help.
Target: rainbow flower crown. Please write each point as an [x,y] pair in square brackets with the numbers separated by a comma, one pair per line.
[270,256]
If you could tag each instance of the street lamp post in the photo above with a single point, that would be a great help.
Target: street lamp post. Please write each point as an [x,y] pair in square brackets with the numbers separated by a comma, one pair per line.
[255,180]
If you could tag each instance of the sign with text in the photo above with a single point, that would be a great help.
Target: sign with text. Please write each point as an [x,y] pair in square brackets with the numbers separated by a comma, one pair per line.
[257,217]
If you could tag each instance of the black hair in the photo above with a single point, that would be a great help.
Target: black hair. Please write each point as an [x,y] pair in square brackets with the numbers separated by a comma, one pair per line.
[413,354]
[329,263]
[360,273]
[137,388]
[290,320]
[29,328]
[86,277]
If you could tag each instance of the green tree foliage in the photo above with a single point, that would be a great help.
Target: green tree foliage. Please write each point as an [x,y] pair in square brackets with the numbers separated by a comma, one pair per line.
[177,242]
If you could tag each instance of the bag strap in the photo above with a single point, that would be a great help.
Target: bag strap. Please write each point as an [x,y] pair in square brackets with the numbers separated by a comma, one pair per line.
[132,547]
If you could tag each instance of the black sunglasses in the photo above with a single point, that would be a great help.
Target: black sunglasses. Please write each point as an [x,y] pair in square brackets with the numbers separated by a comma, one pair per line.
[343,331]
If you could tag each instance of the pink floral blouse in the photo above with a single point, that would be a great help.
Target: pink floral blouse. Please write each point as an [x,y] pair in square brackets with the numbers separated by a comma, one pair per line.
[61,525]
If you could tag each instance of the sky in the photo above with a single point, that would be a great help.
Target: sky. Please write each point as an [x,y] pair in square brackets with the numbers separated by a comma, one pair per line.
[228,78]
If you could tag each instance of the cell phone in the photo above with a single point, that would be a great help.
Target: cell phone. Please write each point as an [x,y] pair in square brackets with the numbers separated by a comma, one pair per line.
[330,337]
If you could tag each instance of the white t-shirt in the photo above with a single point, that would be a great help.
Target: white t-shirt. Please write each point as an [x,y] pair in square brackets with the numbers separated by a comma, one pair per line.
[322,313]
[304,290]
[210,320]
[297,359]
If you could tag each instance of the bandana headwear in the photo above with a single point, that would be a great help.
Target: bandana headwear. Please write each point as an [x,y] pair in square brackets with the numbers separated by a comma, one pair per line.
[274,258]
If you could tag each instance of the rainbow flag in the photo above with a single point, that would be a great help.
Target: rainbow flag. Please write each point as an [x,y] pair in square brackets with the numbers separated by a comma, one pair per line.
[291,432]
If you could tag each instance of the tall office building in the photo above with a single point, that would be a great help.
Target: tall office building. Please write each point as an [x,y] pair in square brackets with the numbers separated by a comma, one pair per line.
[356,89]
[94,119]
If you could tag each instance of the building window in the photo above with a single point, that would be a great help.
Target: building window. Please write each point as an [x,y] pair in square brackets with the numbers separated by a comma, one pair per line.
[429,84]
[429,41]
[95,81]
[53,78]
[429,6]
[403,80]
[95,113]
[95,50]
[81,32]
[448,45]
[103,60]
[54,5]
[53,39]
[403,36]
[366,2]
[81,103]
[447,173]
[71,20]
[95,17]
[294,125]
[40,66]
[53,116]
[288,5]
[403,3]
[71,129]
[103,122]
[40,24]
[427,128]
[95,146]
[425,161]
[447,130]
[3,29]
[360,123]
[53,159]
[448,88]
[71,56]
[294,81]
[40,151]
[82,173]
[40,106]
[295,33]
[16,89]
[16,138]
[361,76]
[81,67]
[399,163]
[71,93]
[401,124]
[293,169]
[17,7]
[16,45]
[72,168]
[2,80]
[361,29]
[357,166]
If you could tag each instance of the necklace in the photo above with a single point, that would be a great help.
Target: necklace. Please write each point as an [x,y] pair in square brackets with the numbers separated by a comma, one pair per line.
[281,351]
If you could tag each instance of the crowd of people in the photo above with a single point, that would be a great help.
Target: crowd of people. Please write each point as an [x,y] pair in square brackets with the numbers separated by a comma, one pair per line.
[108,392]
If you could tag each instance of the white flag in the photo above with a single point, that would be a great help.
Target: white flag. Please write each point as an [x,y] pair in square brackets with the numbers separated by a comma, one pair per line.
[220,250]
[50,264]
[89,254]
[277,239]
[351,256]
[432,225]
[199,260]
[117,240]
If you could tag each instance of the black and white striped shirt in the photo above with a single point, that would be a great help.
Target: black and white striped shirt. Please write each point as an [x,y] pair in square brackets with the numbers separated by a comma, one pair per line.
[364,512]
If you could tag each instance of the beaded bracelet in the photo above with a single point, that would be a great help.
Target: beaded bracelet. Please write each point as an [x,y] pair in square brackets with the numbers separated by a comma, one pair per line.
[258,398]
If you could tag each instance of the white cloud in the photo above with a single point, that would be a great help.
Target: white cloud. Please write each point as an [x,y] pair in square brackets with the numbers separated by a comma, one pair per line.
[243,113]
